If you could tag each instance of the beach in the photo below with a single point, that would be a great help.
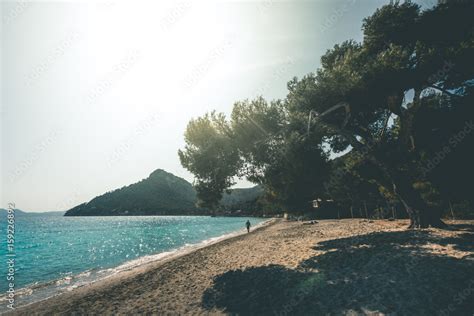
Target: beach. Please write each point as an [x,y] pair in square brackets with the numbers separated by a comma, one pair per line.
[350,266]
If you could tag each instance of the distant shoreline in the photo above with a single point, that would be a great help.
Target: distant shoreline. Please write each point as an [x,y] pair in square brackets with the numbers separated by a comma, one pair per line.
[207,215]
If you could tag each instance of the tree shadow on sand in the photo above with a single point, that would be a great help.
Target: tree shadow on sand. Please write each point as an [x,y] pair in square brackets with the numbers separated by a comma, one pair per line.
[386,272]
[462,227]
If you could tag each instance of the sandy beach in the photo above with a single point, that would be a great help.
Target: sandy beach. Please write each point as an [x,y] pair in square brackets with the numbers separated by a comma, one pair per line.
[331,267]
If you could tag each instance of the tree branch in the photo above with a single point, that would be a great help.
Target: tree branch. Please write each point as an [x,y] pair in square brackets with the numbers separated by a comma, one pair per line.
[443,90]
[385,124]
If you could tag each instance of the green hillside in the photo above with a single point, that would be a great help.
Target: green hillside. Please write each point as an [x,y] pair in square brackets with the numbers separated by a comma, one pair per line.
[162,193]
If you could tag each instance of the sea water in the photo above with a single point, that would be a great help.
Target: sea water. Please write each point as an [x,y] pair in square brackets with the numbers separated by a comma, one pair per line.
[54,253]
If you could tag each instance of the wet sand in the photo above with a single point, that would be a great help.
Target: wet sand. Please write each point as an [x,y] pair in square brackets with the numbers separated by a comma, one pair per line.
[332,267]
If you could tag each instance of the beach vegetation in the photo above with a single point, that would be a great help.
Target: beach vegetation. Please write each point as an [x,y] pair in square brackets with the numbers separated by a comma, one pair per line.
[385,121]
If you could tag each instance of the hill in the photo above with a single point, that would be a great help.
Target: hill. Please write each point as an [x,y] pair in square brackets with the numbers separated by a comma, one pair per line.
[4,212]
[162,193]
[238,196]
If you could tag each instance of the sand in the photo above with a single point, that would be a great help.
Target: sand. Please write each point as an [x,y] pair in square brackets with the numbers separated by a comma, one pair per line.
[332,267]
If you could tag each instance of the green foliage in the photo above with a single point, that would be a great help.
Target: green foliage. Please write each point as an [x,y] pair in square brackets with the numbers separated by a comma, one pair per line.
[258,127]
[211,156]
[399,54]
[387,103]
[273,149]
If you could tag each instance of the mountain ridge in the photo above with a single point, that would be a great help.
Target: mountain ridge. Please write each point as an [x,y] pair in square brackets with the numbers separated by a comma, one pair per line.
[161,193]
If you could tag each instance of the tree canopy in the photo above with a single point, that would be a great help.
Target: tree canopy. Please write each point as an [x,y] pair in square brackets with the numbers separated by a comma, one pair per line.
[391,105]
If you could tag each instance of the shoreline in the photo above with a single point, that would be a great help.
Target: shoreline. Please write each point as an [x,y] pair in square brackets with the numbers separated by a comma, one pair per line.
[282,266]
[58,287]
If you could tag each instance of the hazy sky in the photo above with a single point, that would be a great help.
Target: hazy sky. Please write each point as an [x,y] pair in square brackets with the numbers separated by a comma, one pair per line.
[96,96]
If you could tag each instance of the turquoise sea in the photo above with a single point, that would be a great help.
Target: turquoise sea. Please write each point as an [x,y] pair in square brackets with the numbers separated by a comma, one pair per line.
[54,253]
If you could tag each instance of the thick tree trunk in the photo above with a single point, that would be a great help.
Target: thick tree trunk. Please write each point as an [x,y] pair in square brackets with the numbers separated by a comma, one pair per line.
[431,218]
[420,213]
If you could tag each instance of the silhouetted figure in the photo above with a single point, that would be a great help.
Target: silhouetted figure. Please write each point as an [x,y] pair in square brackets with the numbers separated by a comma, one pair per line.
[248,226]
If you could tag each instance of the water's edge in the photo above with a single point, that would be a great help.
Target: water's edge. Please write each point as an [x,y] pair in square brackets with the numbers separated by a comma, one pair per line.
[45,290]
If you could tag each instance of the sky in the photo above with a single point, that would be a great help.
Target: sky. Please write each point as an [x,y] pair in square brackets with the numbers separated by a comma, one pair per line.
[97,95]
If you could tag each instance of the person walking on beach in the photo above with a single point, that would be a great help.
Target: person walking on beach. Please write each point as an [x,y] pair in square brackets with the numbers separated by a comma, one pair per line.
[248,226]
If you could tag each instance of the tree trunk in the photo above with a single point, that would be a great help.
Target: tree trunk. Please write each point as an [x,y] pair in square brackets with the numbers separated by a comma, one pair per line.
[451,208]
[420,213]
[431,218]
